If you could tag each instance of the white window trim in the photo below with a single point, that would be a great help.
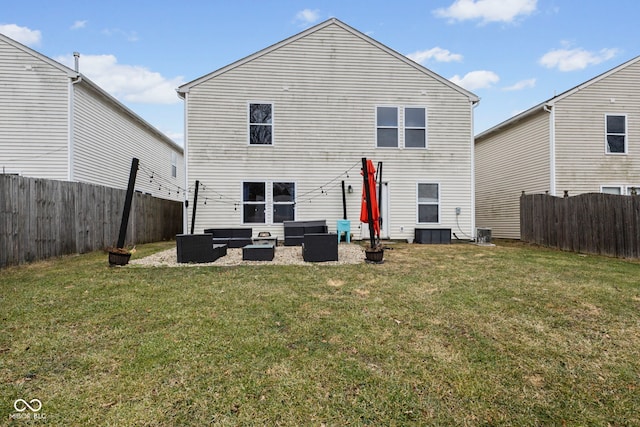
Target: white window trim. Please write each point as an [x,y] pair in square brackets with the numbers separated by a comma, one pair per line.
[627,189]
[273,203]
[626,135]
[272,124]
[243,203]
[268,202]
[620,187]
[397,127]
[418,203]
[426,127]
[174,165]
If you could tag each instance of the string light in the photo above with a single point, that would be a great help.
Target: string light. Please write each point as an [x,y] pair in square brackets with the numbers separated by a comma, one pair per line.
[208,193]
[163,183]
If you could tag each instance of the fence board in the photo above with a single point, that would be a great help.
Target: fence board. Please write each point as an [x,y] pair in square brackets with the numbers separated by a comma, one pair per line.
[45,218]
[594,223]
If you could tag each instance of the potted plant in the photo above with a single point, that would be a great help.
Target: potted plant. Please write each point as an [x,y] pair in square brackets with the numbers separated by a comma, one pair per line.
[120,256]
[375,254]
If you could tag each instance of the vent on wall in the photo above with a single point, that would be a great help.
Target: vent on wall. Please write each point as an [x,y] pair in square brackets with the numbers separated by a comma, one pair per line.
[483,236]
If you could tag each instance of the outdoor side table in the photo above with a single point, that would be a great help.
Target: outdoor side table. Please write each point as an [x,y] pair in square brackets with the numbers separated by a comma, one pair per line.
[344,225]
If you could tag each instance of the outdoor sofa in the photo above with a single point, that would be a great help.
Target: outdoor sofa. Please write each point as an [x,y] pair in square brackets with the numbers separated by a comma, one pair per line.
[294,231]
[198,248]
[232,237]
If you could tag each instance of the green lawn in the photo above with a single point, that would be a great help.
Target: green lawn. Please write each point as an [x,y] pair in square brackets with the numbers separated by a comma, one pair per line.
[437,335]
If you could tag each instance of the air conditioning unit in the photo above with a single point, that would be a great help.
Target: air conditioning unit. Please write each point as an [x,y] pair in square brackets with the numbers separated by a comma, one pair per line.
[483,236]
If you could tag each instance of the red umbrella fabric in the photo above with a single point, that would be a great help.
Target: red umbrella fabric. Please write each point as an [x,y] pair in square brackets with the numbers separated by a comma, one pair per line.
[364,215]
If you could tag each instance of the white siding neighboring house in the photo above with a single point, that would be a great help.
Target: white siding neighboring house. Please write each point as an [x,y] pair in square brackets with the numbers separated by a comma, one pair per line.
[271,136]
[57,124]
[586,139]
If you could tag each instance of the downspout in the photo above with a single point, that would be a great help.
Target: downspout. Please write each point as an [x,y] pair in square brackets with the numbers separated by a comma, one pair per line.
[474,104]
[185,158]
[71,145]
[552,148]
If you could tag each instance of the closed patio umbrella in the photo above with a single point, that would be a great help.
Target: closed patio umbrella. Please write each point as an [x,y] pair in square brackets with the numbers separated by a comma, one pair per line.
[369,212]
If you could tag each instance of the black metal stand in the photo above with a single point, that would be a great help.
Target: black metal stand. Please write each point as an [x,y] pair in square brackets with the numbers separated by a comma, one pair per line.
[127,202]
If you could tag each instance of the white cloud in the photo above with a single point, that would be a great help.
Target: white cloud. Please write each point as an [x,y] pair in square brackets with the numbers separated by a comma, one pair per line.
[575,59]
[480,79]
[78,24]
[487,10]
[437,53]
[22,35]
[128,83]
[308,16]
[131,36]
[522,84]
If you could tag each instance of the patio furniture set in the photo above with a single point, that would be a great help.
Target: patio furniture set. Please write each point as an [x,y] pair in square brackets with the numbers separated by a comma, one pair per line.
[318,245]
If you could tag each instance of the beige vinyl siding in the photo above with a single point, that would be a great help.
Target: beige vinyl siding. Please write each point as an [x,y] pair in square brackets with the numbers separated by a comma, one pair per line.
[107,138]
[34,98]
[325,88]
[582,165]
[508,162]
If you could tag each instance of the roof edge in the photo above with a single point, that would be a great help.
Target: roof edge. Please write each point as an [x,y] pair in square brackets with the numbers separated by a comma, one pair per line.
[85,80]
[68,71]
[184,89]
[549,103]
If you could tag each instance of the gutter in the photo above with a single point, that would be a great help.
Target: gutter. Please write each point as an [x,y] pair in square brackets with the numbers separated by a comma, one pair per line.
[71,158]
[552,147]
[473,233]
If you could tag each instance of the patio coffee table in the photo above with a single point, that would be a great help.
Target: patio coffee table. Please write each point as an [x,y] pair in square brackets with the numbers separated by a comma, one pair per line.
[261,252]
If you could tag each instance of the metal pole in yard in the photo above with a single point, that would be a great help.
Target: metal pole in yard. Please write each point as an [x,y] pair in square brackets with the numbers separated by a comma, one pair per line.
[344,203]
[195,205]
[127,202]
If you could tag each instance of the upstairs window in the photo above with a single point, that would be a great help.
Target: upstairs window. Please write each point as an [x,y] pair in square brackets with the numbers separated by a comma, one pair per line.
[387,127]
[616,129]
[428,203]
[261,124]
[415,127]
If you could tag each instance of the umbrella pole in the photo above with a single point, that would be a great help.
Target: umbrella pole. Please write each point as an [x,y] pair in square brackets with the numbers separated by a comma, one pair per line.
[365,174]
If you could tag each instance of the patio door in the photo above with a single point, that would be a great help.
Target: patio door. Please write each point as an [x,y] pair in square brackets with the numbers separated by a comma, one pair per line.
[384,211]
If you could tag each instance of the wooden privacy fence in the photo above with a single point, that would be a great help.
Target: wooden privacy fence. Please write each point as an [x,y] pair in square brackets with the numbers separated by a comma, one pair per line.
[594,223]
[42,218]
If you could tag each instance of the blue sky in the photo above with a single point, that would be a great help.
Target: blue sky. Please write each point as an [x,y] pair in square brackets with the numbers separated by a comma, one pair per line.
[513,54]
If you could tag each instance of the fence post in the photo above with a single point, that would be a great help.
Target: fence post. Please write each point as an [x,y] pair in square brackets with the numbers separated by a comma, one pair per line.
[195,205]
[127,202]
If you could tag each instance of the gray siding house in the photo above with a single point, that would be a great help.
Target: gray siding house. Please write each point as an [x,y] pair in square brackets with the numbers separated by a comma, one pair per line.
[586,139]
[57,124]
[272,136]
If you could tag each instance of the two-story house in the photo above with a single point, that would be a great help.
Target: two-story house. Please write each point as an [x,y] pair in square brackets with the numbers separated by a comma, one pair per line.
[55,123]
[586,139]
[272,137]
